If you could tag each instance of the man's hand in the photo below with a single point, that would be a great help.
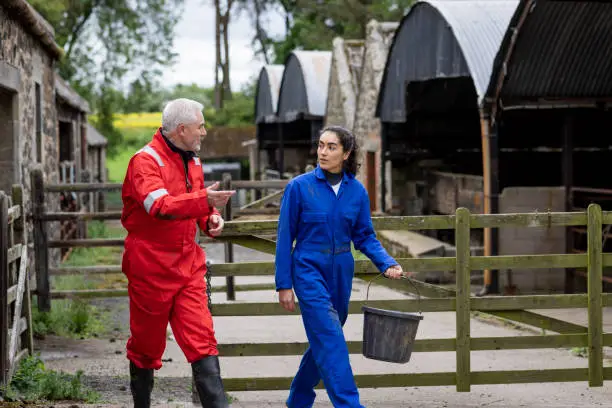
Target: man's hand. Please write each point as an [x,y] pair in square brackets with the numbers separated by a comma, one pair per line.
[218,198]
[286,299]
[396,272]
[215,225]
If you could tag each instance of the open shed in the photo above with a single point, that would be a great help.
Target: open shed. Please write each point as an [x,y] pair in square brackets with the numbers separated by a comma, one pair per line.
[266,121]
[72,111]
[301,108]
[437,71]
[550,94]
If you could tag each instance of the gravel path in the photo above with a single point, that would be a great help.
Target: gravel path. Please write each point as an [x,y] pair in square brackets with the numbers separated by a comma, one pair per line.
[105,367]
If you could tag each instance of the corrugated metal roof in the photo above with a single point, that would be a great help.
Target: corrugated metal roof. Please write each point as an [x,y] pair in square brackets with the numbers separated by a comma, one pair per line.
[69,95]
[441,39]
[304,85]
[94,138]
[562,50]
[266,95]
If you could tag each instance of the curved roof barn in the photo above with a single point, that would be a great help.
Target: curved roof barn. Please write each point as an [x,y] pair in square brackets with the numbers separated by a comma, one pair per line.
[554,51]
[443,39]
[266,95]
[303,91]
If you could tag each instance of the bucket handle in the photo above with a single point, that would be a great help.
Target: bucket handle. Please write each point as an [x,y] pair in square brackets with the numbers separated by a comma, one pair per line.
[403,277]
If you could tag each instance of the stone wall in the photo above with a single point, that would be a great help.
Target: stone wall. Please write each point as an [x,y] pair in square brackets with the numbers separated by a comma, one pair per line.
[27,58]
[345,73]
[23,55]
[366,126]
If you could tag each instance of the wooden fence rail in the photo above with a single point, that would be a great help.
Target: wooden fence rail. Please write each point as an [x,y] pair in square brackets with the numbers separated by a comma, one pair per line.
[462,303]
[40,218]
[16,340]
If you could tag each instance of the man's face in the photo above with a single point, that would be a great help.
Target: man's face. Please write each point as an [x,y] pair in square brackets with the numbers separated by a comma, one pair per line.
[192,135]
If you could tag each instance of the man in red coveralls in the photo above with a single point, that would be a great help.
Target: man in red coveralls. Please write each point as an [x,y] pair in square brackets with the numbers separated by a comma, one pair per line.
[163,199]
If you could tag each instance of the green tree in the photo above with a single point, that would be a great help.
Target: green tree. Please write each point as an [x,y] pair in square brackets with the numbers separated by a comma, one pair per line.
[107,103]
[312,25]
[105,39]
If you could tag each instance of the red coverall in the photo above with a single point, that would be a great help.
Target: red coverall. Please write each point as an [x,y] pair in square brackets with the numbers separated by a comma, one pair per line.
[165,267]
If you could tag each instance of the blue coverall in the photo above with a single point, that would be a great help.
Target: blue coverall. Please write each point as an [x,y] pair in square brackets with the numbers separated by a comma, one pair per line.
[320,270]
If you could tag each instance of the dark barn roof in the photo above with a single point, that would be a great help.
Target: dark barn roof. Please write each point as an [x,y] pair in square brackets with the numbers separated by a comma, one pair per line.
[554,50]
[442,39]
[95,138]
[303,91]
[266,95]
[70,96]
[33,22]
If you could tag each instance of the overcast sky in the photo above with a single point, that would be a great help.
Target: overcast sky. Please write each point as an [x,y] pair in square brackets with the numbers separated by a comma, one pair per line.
[195,45]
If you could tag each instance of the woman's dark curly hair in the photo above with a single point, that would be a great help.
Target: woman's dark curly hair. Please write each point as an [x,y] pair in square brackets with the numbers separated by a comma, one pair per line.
[349,143]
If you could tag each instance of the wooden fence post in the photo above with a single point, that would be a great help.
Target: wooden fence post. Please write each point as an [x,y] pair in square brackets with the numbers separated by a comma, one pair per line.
[41,250]
[20,234]
[462,274]
[4,317]
[229,248]
[595,263]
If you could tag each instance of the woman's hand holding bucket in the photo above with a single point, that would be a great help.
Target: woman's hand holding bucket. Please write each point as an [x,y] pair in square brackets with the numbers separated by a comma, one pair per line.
[396,272]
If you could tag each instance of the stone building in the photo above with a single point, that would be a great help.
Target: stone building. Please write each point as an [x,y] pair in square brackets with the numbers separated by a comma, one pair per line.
[28,115]
[345,73]
[366,126]
[95,166]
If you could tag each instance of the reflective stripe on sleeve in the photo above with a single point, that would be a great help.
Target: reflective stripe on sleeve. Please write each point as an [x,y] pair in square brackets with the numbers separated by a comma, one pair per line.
[153,195]
[149,150]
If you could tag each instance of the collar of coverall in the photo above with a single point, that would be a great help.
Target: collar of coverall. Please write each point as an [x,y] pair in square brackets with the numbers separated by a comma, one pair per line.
[320,174]
[185,154]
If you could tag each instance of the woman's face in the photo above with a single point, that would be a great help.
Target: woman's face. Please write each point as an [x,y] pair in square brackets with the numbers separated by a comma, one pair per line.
[331,153]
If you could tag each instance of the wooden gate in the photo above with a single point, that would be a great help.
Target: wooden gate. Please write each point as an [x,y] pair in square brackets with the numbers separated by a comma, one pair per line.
[460,301]
[15,308]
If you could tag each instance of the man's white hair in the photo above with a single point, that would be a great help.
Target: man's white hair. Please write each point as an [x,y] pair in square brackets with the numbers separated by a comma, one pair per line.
[179,111]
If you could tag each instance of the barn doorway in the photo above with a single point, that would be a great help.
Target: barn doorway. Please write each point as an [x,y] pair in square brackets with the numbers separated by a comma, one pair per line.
[371,179]
[8,170]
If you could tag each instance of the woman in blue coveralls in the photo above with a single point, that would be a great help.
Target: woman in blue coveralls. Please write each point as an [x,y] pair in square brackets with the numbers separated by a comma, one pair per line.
[323,211]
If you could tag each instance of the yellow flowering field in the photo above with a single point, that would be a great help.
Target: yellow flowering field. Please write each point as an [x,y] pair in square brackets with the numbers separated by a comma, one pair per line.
[137,120]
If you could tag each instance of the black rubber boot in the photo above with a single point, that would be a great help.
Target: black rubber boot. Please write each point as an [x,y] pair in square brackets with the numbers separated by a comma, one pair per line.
[141,385]
[207,376]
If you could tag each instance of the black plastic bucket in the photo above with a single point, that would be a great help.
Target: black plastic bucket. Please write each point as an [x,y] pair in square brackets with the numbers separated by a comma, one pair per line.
[389,335]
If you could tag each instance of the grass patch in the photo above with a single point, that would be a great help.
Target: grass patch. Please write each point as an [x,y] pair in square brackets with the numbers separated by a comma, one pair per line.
[133,140]
[98,255]
[32,382]
[76,317]
[69,318]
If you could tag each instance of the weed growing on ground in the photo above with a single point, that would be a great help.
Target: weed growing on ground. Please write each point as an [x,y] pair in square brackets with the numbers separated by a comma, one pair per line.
[32,382]
[580,351]
[68,318]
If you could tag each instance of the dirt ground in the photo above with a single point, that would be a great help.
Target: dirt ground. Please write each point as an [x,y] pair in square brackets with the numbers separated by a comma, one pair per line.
[105,366]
